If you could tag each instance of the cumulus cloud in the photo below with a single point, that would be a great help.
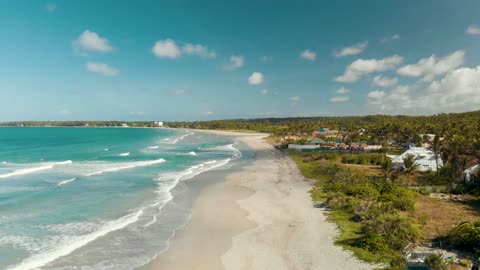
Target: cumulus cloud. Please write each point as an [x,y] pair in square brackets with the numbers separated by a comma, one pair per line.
[266,59]
[343,91]
[166,49]
[65,112]
[91,41]
[362,67]
[208,113]
[137,113]
[336,99]
[102,69]
[198,50]
[352,50]
[458,91]
[169,48]
[429,68]
[264,91]
[390,38]
[179,92]
[473,30]
[235,61]
[295,99]
[256,78]
[51,7]
[308,55]
[382,81]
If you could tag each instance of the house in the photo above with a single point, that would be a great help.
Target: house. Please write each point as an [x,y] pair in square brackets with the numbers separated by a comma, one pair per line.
[424,159]
[342,146]
[159,124]
[472,173]
[354,146]
[328,132]
[328,145]
[125,125]
[316,141]
[302,146]
[373,147]
[363,147]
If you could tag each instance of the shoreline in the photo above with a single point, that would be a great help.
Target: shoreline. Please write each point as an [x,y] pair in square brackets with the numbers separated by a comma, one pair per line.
[260,217]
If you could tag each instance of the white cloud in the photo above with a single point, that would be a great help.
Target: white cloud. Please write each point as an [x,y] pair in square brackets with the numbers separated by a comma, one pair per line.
[429,68]
[65,112]
[266,59]
[343,90]
[295,99]
[166,49]
[382,81]
[102,69]
[308,55]
[264,91]
[362,67]
[208,113]
[458,91]
[473,30]
[256,78]
[236,61]
[352,50]
[389,39]
[198,50]
[137,113]
[51,7]
[336,99]
[179,92]
[91,41]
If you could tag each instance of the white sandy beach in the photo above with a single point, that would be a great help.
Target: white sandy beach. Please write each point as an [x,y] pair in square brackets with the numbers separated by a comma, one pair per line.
[259,218]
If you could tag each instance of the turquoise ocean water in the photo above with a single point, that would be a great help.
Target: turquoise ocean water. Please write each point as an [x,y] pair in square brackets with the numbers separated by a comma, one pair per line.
[98,198]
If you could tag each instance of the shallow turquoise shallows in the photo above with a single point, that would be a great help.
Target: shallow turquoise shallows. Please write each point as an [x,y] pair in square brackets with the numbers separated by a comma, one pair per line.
[97,198]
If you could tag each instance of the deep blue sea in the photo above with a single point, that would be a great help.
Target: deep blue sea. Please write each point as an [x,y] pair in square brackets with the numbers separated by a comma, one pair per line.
[98,198]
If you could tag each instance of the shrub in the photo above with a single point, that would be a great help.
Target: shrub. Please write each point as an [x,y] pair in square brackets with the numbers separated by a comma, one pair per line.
[465,236]
[434,262]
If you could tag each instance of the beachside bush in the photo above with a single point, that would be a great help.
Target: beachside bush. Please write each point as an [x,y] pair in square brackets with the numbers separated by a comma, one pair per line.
[465,236]
[397,231]
[434,262]
[401,198]
[374,243]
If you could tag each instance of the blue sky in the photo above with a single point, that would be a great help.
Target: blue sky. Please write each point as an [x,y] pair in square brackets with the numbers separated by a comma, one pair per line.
[182,60]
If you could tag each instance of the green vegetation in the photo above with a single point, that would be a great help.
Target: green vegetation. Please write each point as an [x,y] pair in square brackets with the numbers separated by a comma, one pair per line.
[367,209]
[435,262]
[466,237]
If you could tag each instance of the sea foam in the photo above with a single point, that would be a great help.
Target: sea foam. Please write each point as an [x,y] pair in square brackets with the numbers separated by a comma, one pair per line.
[75,242]
[34,169]
[128,166]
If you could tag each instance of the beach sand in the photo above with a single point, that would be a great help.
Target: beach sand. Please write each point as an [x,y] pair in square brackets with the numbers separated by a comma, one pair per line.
[261,217]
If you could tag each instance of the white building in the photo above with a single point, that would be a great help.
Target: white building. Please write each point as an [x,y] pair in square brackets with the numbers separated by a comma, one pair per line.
[424,159]
[159,124]
[302,146]
[472,172]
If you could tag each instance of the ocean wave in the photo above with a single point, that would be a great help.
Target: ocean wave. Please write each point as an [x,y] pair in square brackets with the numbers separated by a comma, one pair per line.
[128,166]
[61,183]
[153,147]
[34,169]
[124,154]
[192,153]
[225,148]
[75,242]
[176,139]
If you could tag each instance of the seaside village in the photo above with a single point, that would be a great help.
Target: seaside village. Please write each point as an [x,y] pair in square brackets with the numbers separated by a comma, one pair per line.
[326,140]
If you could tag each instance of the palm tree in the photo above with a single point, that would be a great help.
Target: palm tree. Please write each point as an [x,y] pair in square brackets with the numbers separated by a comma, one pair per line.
[387,166]
[435,148]
[409,164]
